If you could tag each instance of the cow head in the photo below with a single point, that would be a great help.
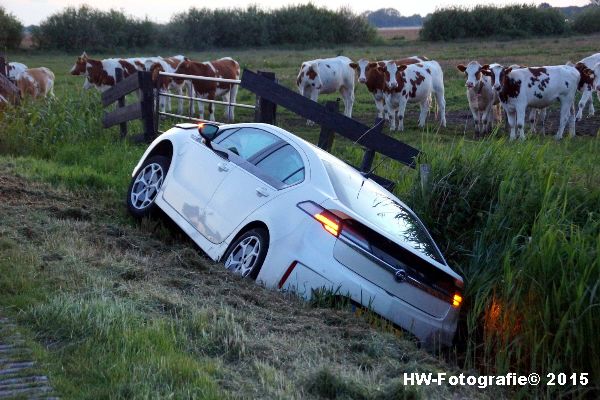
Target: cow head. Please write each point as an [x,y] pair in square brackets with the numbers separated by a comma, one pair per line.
[392,73]
[497,73]
[586,76]
[80,66]
[361,67]
[156,69]
[309,76]
[473,72]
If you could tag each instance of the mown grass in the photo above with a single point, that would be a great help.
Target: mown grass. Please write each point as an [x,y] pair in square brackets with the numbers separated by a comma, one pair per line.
[520,221]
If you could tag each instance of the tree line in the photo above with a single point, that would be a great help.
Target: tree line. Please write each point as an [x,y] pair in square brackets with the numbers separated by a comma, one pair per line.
[515,21]
[74,29]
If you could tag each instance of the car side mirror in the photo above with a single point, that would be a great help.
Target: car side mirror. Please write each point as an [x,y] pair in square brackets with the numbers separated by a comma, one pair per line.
[208,132]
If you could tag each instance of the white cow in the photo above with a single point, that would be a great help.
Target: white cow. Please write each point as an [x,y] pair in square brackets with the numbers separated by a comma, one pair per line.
[481,95]
[537,88]
[328,75]
[413,83]
[14,69]
[168,64]
[586,84]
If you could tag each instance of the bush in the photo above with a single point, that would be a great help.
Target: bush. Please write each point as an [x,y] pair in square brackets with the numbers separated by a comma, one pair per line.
[486,21]
[89,29]
[588,21]
[86,28]
[11,30]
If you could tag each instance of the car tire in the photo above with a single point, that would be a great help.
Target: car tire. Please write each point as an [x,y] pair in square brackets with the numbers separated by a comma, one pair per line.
[245,256]
[145,185]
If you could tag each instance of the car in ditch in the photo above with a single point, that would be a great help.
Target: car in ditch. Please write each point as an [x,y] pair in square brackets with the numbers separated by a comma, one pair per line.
[275,208]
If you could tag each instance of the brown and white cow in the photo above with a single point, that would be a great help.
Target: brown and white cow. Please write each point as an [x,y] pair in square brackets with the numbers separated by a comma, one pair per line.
[226,68]
[537,88]
[373,78]
[168,64]
[101,74]
[328,75]
[13,69]
[36,82]
[586,84]
[414,83]
[481,95]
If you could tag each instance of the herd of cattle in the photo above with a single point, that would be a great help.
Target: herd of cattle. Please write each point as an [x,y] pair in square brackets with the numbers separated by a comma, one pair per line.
[392,83]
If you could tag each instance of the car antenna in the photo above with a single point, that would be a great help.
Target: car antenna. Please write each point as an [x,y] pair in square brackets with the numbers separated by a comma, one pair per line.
[369,130]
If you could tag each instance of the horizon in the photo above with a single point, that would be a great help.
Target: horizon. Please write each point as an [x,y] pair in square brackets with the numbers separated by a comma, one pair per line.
[33,12]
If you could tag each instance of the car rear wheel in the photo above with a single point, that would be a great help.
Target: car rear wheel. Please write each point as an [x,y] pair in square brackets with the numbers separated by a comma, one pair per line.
[145,185]
[247,253]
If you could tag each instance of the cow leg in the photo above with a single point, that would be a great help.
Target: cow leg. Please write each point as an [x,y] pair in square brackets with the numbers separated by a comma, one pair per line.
[572,120]
[179,91]
[441,101]
[511,116]
[401,110]
[543,114]
[379,104]
[313,94]
[488,118]
[233,97]
[475,113]
[565,114]
[586,98]
[521,122]
[390,111]
[211,107]
[424,107]
[348,98]
[533,119]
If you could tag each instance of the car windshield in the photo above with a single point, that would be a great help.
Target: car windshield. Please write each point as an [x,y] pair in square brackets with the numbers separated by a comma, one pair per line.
[381,209]
[246,142]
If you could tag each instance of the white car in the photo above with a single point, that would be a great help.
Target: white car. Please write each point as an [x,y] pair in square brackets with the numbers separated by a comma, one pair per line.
[278,209]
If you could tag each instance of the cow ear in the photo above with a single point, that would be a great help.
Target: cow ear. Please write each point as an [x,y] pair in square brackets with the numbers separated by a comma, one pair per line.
[461,68]
[373,65]
[486,72]
[507,71]
[402,67]
[381,68]
[353,65]
[486,66]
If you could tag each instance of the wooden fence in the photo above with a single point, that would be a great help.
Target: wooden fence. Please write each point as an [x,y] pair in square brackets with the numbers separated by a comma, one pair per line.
[8,91]
[269,95]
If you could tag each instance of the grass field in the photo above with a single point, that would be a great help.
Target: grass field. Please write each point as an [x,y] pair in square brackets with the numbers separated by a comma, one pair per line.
[121,310]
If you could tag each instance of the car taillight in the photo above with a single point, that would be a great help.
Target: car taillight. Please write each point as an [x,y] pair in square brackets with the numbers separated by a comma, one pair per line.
[330,222]
[456,300]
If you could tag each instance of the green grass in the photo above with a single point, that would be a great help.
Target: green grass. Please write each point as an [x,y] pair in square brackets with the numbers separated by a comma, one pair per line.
[520,221]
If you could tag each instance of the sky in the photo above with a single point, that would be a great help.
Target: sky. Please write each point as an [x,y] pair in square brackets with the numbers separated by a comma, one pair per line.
[32,12]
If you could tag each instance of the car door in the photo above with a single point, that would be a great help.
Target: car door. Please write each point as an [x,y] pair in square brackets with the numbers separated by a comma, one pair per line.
[250,185]
[195,176]
[200,170]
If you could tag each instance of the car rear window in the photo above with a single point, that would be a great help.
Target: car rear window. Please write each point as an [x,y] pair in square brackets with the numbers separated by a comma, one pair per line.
[381,209]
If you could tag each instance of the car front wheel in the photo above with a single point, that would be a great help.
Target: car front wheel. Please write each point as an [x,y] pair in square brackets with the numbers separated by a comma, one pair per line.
[145,185]
[247,253]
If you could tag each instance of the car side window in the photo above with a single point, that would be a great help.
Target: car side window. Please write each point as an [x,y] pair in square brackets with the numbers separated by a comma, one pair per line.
[246,142]
[284,165]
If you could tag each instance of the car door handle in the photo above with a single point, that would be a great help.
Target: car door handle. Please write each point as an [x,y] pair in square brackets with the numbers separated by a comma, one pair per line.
[261,191]
[223,167]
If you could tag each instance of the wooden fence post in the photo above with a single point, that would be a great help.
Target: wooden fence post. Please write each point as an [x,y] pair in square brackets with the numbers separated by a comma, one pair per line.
[121,103]
[367,161]
[3,65]
[147,90]
[327,134]
[266,111]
